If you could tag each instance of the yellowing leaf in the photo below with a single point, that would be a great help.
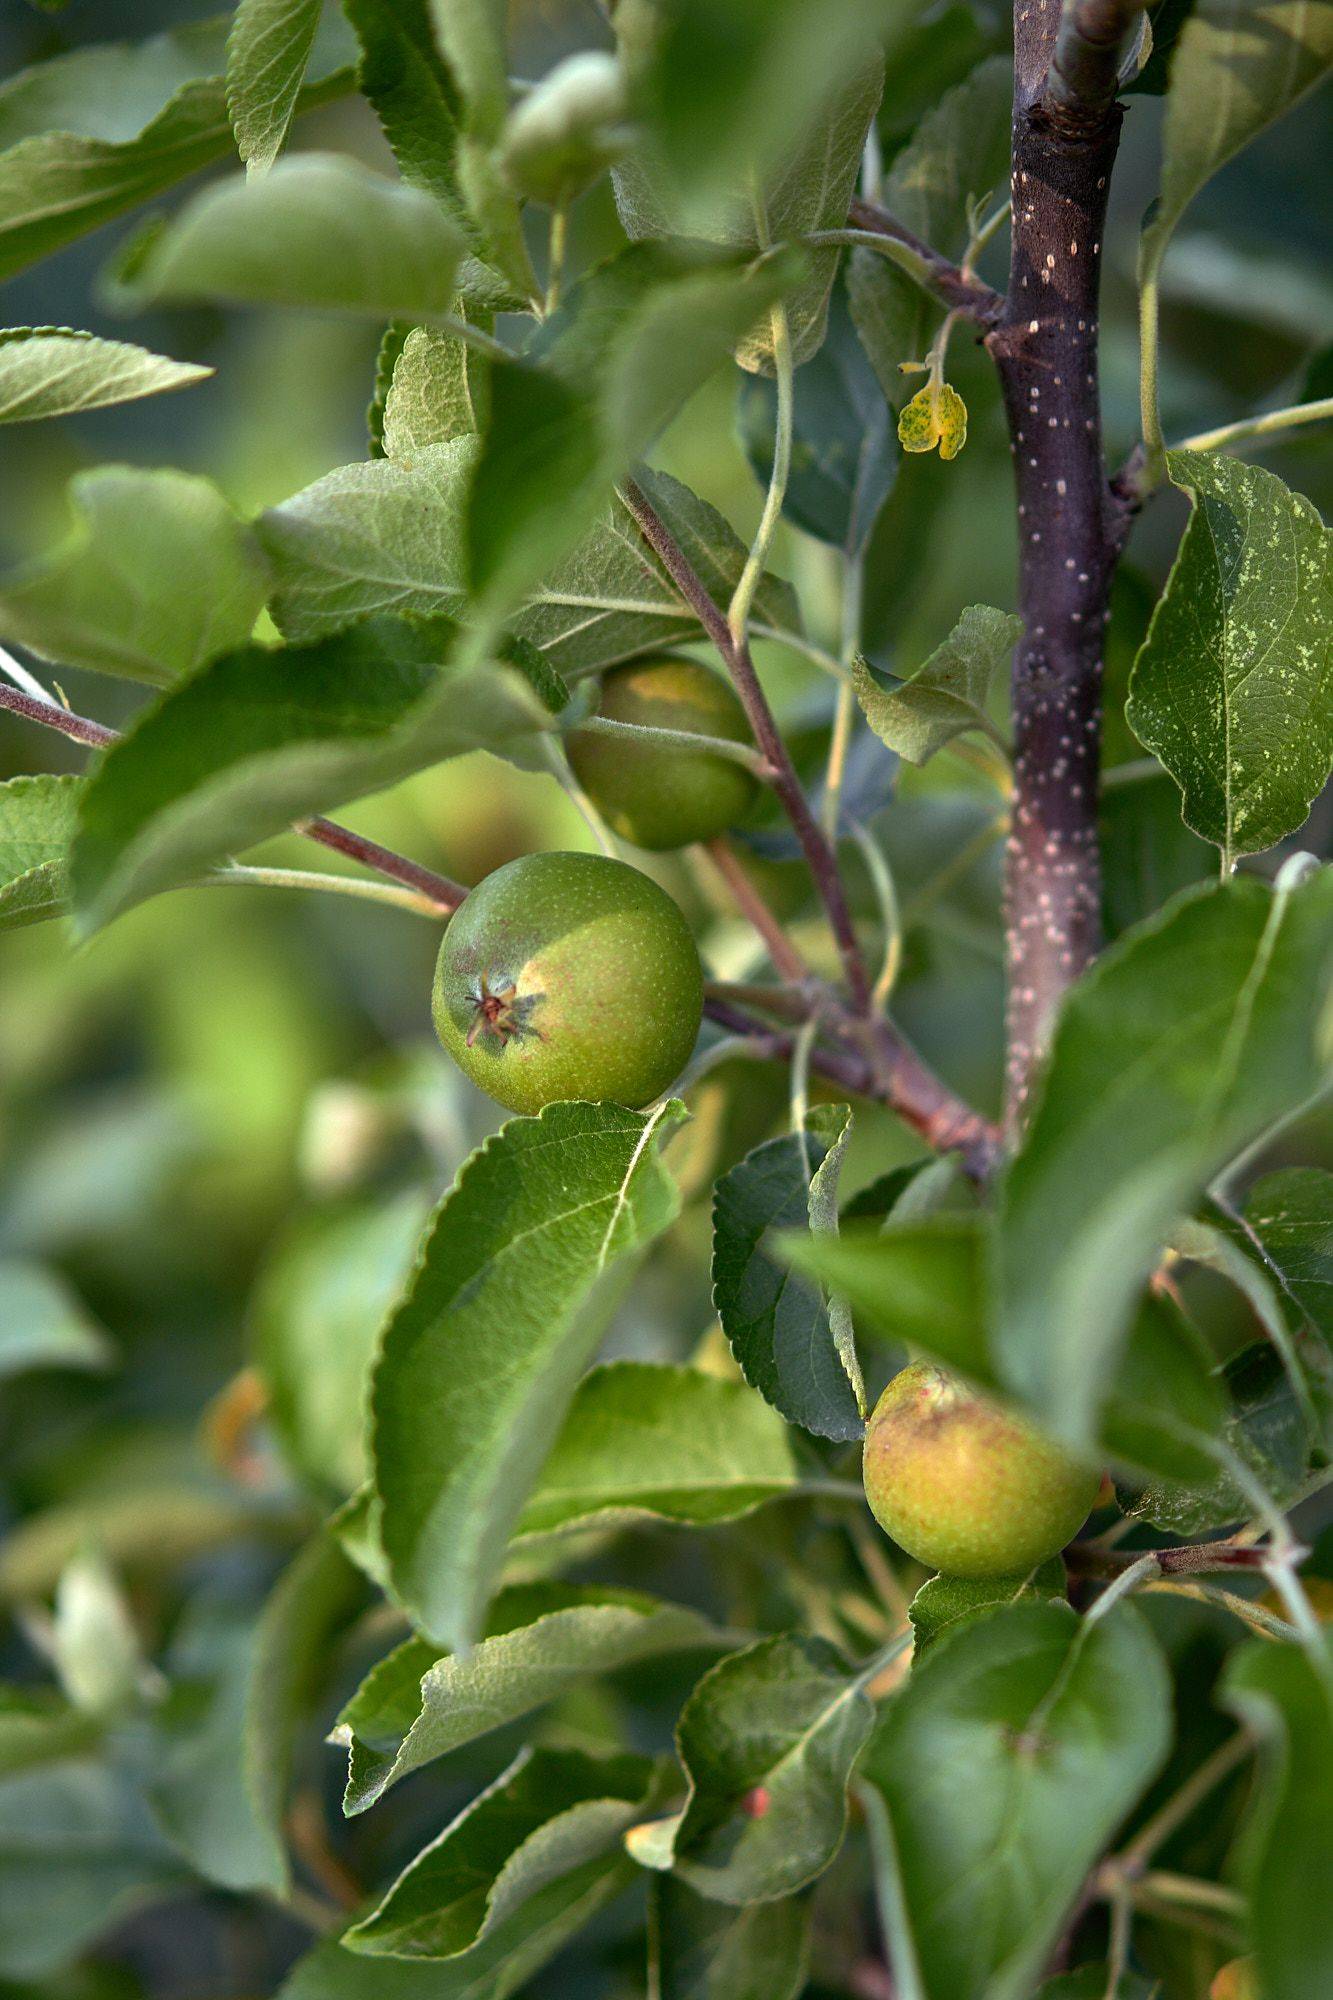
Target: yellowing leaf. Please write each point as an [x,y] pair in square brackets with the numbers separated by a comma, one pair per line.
[936,416]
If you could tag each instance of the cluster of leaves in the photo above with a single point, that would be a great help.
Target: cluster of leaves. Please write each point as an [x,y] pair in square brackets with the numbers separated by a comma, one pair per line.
[632,1615]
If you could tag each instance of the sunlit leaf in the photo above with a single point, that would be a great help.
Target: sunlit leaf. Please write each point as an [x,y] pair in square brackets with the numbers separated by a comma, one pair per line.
[54,371]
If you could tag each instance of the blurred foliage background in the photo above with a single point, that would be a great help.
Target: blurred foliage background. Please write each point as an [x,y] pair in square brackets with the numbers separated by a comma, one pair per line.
[228,1114]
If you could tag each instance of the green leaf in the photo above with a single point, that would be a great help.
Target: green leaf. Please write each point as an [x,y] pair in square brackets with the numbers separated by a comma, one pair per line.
[1233,687]
[1291,1212]
[436,394]
[318,231]
[43,1324]
[631,343]
[377,536]
[945,1602]
[843,463]
[38,1726]
[313,1602]
[330,1972]
[1267,1430]
[699,1950]
[1189,1038]
[768,1740]
[157,576]
[261,738]
[221,1789]
[1286,1699]
[945,697]
[1098,1982]
[611,598]
[37,821]
[672,1444]
[544,1639]
[1059,1725]
[959,151]
[480,1361]
[807,194]
[95,132]
[267,52]
[737,94]
[411,91]
[53,371]
[777,1323]
[1236,68]
[1148,852]
[79,1851]
[519,1871]
[315,1314]
[918,1282]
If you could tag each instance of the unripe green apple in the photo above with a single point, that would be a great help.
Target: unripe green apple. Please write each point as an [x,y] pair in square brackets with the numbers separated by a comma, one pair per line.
[1237,1980]
[662,796]
[965,1485]
[568,975]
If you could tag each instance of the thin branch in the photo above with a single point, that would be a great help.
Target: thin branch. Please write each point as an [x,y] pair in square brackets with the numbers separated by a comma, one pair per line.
[442,894]
[949,283]
[782,772]
[1084,74]
[786,958]
[1266,425]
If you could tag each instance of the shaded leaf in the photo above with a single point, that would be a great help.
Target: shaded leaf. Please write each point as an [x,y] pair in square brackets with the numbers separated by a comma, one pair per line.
[1187,1040]
[79,1851]
[1148,852]
[37,821]
[1233,687]
[157,576]
[842,459]
[777,1322]
[670,1443]
[480,1361]
[1234,70]
[410,89]
[315,1315]
[1291,1212]
[1268,1431]
[917,716]
[318,230]
[700,1950]
[808,194]
[1060,1725]
[521,1868]
[1286,1699]
[959,151]
[261,738]
[43,1324]
[54,371]
[543,1639]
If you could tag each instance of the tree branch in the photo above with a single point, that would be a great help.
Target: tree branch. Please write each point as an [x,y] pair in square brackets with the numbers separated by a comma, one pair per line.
[1070,527]
[951,285]
[438,890]
[1084,71]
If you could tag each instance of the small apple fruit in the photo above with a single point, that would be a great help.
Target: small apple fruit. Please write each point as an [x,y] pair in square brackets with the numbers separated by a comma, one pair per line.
[665,795]
[568,975]
[966,1485]
[1237,1980]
